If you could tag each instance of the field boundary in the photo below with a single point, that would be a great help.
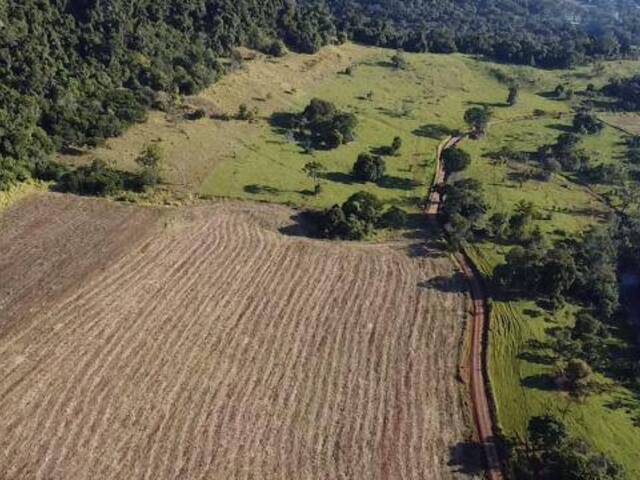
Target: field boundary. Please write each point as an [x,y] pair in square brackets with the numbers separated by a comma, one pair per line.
[483,403]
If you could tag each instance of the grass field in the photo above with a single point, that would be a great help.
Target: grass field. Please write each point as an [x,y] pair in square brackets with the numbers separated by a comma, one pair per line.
[202,343]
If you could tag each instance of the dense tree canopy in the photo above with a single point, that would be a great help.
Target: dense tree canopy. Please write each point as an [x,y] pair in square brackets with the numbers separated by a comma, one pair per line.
[75,72]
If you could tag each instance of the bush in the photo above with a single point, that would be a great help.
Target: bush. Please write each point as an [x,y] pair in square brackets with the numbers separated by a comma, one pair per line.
[395,218]
[277,49]
[96,179]
[369,168]
[354,220]
[324,125]
[587,123]
[455,160]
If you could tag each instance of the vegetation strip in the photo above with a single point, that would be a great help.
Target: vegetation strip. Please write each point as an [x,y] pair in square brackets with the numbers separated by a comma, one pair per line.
[483,415]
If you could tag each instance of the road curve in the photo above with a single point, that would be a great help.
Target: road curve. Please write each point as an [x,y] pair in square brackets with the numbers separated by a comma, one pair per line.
[476,366]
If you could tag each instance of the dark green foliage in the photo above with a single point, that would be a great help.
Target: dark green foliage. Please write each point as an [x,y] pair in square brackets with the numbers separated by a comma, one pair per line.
[626,91]
[536,273]
[369,168]
[355,219]
[464,197]
[478,119]
[512,98]
[277,49]
[96,179]
[75,73]
[551,454]
[455,160]
[150,162]
[322,124]
[586,325]
[582,269]
[394,217]
[399,62]
[546,432]
[587,123]
[532,33]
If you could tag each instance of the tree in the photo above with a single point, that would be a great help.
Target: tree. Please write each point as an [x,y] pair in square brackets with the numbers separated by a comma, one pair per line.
[399,61]
[150,161]
[395,217]
[512,98]
[364,206]
[587,123]
[546,432]
[455,160]
[355,219]
[277,49]
[369,168]
[586,325]
[478,119]
[578,375]
[314,170]
[396,145]
[458,229]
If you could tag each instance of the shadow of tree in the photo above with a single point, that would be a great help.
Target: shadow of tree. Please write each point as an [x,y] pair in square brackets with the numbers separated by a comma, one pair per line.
[537,357]
[304,224]
[446,284]
[561,127]
[256,189]
[468,458]
[540,381]
[398,183]
[489,104]
[339,177]
[437,131]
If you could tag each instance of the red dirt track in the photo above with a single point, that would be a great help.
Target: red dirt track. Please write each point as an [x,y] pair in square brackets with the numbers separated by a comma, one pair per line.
[479,396]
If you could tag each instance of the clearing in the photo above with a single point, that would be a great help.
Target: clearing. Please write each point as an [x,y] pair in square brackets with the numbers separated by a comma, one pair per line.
[203,343]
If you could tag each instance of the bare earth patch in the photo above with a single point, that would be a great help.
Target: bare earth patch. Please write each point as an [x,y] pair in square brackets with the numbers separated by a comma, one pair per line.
[201,343]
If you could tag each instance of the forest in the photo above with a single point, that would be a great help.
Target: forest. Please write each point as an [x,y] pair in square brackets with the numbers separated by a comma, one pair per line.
[74,73]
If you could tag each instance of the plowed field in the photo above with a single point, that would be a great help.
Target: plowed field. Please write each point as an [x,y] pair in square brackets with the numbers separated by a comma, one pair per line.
[201,343]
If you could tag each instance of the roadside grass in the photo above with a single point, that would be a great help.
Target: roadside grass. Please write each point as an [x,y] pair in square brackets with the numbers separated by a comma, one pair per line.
[517,357]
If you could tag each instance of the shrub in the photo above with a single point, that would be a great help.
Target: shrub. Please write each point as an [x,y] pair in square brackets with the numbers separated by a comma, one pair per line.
[369,168]
[587,123]
[395,217]
[455,160]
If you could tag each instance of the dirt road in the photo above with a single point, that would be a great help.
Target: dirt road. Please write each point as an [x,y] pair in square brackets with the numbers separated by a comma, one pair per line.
[476,366]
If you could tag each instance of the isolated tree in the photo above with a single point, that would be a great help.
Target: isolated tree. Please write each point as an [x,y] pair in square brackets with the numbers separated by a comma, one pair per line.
[395,217]
[314,170]
[369,168]
[399,61]
[546,432]
[150,162]
[512,98]
[364,206]
[396,145]
[455,160]
[478,119]
[578,375]
[587,123]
